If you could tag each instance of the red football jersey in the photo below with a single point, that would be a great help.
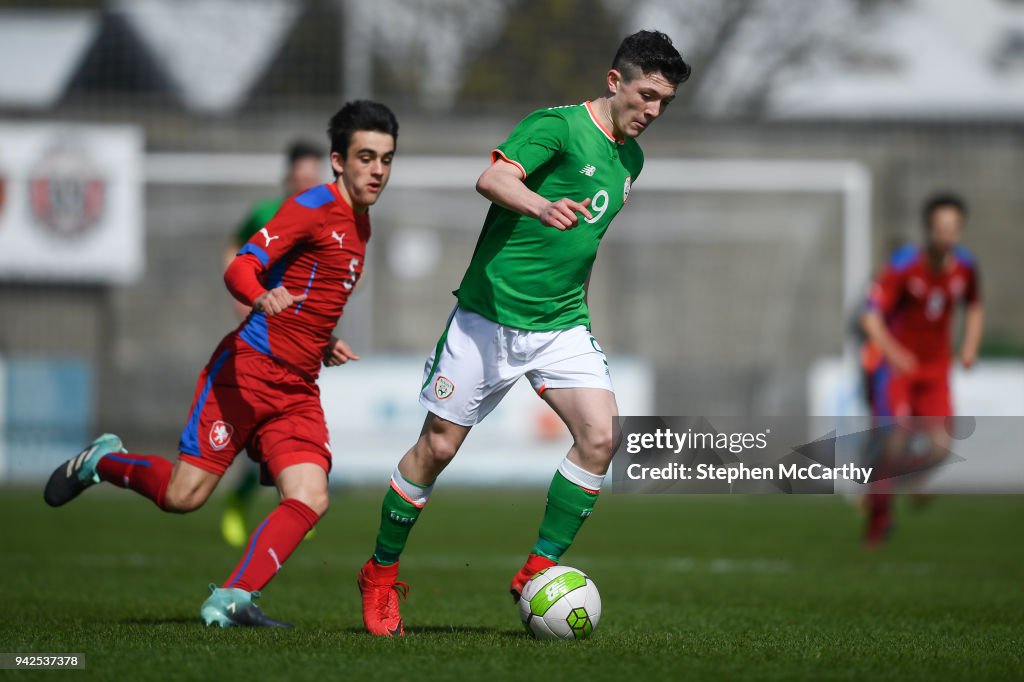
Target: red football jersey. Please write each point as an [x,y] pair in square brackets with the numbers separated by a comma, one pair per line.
[917,300]
[314,245]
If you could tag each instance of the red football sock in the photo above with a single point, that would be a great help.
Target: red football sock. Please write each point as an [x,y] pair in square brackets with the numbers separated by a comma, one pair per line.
[147,475]
[271,544]
[880,499]
[879,502]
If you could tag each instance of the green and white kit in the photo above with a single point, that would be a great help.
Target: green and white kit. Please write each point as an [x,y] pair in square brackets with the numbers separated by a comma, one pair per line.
[521,304]
[477,361]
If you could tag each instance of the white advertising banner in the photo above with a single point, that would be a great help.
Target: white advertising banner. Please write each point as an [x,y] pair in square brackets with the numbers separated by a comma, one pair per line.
[70,202]
[374,416]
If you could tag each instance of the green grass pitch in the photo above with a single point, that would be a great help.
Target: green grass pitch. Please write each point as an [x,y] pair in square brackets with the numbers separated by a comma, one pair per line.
[693,588]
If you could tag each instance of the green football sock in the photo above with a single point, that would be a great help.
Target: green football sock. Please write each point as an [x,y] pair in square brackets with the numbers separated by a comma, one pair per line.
[569,504]
[402,505]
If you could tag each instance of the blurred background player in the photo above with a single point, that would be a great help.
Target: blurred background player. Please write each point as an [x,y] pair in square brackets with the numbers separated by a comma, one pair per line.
[305,170]
[555,185]
[907,358]
[259,391]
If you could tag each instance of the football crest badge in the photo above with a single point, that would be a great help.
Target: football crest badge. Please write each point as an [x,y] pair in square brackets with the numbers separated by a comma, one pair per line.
[67,192]
[220,434]
[443,387]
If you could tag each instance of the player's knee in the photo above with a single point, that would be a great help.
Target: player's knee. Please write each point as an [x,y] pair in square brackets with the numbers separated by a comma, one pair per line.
[439,449]
[183,500]
[317,500]
[599,444]
[616,440]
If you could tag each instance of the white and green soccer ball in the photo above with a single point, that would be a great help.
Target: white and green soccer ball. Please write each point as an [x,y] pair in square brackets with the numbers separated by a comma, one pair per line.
[560,602]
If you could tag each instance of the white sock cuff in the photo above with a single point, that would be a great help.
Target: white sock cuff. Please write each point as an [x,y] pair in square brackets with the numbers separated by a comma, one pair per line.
[412,493]
[580,476]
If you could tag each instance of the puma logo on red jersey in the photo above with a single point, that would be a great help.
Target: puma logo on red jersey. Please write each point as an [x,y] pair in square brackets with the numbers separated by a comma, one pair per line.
[266,235]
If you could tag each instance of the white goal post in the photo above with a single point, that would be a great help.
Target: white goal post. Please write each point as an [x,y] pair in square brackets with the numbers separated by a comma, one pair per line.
[849,179]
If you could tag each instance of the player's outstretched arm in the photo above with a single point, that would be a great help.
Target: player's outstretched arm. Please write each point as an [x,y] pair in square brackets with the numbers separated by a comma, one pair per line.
[974,322]
[338,353]
[502,183]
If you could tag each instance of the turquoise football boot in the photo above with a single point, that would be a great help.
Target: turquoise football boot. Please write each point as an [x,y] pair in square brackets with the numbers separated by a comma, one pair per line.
[78,473]
[230,607]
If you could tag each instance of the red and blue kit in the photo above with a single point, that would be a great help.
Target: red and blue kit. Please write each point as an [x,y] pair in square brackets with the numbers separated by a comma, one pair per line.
[258,391]
[917,301]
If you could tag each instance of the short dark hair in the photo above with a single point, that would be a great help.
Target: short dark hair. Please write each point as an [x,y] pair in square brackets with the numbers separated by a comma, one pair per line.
[650,52]
[361,114]
[302,149]
[941,200]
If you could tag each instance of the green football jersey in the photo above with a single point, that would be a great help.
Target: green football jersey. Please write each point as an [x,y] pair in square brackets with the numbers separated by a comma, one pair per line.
[259,215]
[527,275]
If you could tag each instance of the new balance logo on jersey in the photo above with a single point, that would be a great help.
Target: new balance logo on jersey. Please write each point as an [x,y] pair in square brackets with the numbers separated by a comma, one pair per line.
[266,235]
[340,238]
[588,170]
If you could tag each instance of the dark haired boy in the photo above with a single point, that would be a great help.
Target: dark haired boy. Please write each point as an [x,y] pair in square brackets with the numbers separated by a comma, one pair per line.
[259,390]
[908,321]
[555,185]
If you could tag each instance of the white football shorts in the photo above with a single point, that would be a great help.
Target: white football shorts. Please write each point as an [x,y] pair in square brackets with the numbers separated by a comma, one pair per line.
[477,361]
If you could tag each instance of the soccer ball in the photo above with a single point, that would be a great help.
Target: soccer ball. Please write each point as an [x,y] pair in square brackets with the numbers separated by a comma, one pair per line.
[560,602]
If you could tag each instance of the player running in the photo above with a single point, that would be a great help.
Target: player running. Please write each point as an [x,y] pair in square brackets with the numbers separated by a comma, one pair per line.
[908,322]
[259,390]
[305,171]
[555,185]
